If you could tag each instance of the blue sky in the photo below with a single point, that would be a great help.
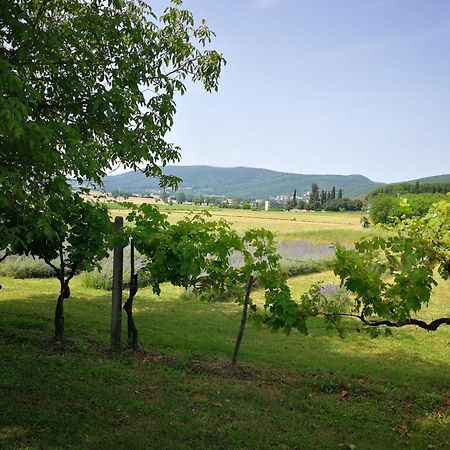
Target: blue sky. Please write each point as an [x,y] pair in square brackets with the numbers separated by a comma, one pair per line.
[324,86]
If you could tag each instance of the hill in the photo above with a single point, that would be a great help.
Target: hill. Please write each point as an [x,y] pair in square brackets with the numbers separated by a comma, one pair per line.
[240,182]
[435,184]
[435,179]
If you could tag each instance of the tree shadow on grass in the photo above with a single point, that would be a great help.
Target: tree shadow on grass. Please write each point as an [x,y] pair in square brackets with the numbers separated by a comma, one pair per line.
[180,392]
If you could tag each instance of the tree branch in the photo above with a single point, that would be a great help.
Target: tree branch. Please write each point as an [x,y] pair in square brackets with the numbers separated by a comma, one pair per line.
[432,326]
[72,272]
[49,263]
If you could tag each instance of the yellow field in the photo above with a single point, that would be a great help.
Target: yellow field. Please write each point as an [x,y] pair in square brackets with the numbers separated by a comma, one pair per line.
[312,226]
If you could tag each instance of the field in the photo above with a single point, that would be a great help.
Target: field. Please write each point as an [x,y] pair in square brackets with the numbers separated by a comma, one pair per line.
[317,227]
[179,391]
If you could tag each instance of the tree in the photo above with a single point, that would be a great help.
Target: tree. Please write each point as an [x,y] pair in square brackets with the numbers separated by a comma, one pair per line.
[16,217]
[214,261]
[323,198]
[294,199]
[343,204]
[90,85]
[389,209]
[390,279]
[314,200]
[69,240]
[164,196]
[384,209]
[333,193]
[181,197]
[340,193]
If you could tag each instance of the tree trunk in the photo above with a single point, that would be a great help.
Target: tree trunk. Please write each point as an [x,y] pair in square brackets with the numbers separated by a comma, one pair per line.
[128,306]
[243,320]
[59,311]
[59,319]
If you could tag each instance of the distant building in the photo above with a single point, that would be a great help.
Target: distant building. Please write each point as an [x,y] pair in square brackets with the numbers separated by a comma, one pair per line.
[267,205]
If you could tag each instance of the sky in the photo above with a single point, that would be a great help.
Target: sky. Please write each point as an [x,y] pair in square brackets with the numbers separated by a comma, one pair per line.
[324,87]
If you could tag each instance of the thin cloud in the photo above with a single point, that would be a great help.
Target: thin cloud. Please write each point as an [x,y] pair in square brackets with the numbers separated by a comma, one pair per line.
[361,48]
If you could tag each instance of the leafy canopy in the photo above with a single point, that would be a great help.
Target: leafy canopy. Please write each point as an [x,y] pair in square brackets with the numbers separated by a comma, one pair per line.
[86,85]
[89,85]
[213,260]
[67,239]
[391,279]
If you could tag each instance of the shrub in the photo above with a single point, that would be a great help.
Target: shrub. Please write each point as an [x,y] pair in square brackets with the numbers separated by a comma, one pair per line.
[222,297]
[388,209]
[384,209]
[102,279]
[306,266]
[25,267]
[343,204]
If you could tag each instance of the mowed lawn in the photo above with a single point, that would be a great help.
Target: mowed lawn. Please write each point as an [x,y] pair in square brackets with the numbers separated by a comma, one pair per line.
[288,392]
[315,227]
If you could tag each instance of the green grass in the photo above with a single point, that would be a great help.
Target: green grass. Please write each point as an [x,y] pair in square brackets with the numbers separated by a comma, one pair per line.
[315,392]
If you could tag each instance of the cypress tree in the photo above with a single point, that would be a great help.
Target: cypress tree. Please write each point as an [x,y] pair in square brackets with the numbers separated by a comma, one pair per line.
[314,200]
[340,193]
[333,193]
[417,188]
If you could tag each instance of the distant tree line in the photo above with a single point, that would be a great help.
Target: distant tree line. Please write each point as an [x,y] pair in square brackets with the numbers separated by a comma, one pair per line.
[220,201]
[324,200]
[119,193]
[412,188]
[388,209]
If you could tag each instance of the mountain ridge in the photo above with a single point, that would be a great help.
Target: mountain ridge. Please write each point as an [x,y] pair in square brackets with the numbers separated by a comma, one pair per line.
[444,178]
[241,182]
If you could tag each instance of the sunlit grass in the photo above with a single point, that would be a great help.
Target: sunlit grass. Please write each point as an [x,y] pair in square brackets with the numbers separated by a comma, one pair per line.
[318,227]
[375,393]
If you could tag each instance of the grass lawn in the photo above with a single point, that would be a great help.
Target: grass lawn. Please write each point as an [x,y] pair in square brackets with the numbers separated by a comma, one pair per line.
[289,392]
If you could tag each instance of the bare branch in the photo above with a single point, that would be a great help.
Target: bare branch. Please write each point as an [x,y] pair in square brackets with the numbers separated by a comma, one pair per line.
[72,273]
[49,263]
[432,326]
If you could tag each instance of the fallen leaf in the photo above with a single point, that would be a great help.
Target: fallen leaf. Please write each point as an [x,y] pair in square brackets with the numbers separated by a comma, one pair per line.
[344,394]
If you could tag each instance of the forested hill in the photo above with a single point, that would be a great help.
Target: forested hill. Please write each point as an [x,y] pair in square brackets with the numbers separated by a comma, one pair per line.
[242,182]
[435,179]
[436,184]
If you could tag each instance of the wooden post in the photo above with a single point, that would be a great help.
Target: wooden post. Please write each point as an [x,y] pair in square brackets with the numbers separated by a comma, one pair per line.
[116,303]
